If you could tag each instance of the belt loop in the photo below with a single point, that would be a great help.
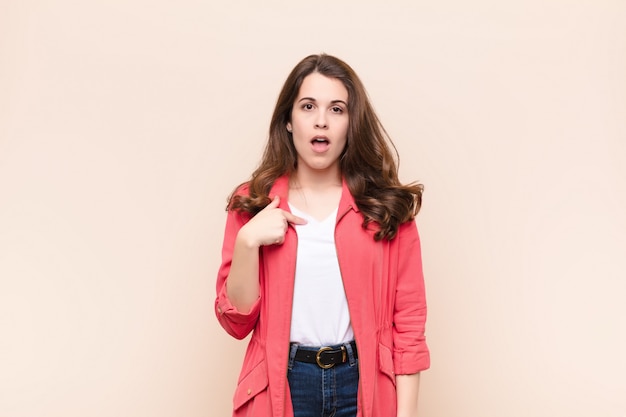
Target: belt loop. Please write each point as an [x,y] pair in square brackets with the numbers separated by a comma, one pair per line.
[350,354]
[293,348]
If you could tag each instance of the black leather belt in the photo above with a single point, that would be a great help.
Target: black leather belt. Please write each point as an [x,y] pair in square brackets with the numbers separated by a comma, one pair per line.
[326,357]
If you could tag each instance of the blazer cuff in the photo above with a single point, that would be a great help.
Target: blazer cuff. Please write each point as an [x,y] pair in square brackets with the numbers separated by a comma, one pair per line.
[411,362]
[225,308]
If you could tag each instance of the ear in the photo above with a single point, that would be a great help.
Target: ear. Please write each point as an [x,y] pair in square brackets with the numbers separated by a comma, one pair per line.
[289,127]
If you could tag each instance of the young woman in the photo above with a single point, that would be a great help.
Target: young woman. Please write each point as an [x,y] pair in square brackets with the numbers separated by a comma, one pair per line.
[321,260]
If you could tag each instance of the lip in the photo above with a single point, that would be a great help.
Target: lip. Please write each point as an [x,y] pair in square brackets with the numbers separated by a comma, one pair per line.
[320,144]
[314,138]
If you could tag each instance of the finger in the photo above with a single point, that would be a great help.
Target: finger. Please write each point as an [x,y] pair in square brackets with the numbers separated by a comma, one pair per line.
[292,218]
[274,203]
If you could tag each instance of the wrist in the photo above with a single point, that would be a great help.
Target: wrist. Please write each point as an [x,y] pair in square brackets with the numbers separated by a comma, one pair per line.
[244,240]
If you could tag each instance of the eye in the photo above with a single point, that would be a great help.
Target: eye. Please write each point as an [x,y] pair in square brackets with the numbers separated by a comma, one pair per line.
[336,109]
[308,106]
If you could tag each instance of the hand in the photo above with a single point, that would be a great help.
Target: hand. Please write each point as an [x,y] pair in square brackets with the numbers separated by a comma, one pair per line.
[269,226]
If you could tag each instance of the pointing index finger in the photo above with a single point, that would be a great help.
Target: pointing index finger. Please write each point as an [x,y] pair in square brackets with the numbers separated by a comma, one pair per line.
[292,218]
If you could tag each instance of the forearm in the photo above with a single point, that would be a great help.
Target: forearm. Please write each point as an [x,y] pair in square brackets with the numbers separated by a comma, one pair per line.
[268,227]
[242,284]
[407,390]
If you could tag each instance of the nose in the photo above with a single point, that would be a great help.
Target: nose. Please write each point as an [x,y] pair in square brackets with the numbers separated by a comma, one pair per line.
[321,123]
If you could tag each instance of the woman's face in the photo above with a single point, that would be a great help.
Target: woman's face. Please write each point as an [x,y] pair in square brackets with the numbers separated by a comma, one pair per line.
[319,123]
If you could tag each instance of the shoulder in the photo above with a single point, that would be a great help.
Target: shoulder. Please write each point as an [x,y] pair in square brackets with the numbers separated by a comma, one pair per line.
[242,189]
[410,225]
[239,199]
[407,236]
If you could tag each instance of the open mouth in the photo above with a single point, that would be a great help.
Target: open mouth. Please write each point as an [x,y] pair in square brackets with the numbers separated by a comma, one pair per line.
[320,144]
[320,139]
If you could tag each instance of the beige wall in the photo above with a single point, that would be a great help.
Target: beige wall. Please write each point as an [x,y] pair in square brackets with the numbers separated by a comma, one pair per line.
[125,124]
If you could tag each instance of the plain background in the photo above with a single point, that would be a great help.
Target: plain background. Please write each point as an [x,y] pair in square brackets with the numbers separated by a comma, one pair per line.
[125,124]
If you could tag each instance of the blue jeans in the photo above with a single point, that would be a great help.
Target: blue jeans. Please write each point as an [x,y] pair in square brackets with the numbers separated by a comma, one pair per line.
[317,392]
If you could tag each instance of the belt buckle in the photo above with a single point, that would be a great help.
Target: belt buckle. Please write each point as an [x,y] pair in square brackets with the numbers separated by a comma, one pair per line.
[318,357]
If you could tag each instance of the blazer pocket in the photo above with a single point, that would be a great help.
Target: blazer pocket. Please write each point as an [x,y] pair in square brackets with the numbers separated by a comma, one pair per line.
[251,385]
[385,362]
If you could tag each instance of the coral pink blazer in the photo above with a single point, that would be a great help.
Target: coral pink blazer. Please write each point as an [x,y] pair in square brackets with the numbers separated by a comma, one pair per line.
[385,290]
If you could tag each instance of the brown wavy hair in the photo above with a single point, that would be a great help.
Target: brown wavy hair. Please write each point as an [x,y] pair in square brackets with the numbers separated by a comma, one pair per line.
[369,162]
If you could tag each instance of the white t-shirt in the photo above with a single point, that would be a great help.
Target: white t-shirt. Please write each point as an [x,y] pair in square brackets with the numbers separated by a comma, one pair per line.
[320,315]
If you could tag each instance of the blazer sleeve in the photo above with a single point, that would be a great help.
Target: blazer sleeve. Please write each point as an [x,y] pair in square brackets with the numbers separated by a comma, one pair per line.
[236,323]
[410,353]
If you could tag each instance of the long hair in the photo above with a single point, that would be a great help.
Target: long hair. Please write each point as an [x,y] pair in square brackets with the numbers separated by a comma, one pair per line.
[368,162]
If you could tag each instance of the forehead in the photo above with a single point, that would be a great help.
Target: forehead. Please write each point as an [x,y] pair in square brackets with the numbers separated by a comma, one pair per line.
[322,88]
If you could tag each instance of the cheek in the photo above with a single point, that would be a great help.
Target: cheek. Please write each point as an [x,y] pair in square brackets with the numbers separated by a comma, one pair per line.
[345,129]
[345,141]
[299,125]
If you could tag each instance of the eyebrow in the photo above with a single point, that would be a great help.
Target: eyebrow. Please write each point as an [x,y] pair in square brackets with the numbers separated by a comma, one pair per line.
[331,102]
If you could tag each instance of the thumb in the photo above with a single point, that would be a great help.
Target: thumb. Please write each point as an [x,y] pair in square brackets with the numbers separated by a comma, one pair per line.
[274,203]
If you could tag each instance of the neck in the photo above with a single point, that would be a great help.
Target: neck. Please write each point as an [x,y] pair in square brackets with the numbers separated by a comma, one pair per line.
[315,192]
[303,178]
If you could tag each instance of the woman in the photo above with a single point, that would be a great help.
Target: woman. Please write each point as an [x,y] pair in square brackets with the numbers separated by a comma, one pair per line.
[321,260]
